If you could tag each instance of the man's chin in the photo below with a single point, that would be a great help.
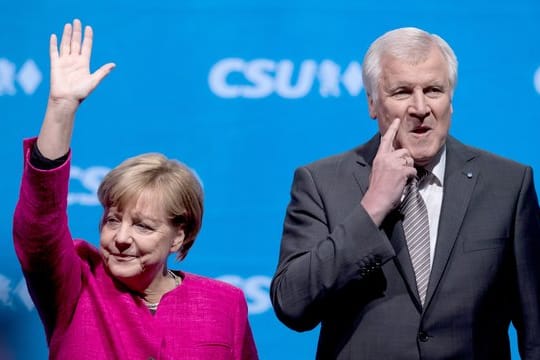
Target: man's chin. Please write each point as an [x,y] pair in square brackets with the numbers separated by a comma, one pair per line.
[422,161]
[423,154]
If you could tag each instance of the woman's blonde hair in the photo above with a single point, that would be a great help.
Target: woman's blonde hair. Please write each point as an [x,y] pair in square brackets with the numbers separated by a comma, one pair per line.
[173,182]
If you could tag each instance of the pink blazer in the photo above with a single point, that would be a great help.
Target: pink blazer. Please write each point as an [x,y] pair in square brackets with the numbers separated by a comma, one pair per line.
[87,315]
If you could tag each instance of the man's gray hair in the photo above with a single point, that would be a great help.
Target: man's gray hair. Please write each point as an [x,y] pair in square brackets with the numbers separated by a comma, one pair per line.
[409,44]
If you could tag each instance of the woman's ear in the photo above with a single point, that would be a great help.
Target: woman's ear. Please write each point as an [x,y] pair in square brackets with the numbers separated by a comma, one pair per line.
[178,240]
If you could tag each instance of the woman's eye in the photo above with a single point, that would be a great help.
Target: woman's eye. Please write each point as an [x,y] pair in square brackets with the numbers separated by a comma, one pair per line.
[144,226]
[111,221]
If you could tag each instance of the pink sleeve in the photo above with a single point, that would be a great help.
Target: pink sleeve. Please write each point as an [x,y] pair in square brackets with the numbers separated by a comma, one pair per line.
[43,242]
[244,345]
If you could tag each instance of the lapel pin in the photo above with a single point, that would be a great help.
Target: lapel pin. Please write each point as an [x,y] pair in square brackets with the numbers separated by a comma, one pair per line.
[469,175]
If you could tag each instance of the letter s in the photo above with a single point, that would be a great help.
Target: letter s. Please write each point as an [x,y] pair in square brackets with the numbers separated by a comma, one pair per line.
[258,73]
[257,291]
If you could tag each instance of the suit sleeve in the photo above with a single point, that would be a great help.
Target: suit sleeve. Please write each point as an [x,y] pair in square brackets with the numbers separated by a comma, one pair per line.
[527,255]
[316,261]
[43,243]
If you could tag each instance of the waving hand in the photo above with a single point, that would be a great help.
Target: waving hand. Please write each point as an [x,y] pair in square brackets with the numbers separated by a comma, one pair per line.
[71,79]
[71,83]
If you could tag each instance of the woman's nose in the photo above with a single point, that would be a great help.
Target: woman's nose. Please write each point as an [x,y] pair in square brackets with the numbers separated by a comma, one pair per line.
[122,237]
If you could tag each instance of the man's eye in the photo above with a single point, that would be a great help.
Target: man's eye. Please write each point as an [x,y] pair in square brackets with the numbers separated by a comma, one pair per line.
[401,93]
[434,91]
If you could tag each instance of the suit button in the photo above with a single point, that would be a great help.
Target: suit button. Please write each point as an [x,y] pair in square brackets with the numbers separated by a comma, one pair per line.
[363,273]
[422,336]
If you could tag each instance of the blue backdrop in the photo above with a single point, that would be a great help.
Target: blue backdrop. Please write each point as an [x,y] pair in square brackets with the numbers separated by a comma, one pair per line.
[243,92]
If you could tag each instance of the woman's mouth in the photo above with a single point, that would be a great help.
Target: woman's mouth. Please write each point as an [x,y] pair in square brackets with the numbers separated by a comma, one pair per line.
[123,257]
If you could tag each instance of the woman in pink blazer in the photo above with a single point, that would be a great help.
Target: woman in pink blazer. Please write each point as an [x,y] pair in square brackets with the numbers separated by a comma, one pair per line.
[119,301]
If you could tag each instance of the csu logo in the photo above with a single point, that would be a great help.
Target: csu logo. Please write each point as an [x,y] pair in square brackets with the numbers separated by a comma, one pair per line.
[90,179]
[8,294]
[28,77]
[259,78]
[256,288]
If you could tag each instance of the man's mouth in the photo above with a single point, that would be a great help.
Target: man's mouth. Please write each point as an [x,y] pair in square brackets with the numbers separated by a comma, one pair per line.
[421,130]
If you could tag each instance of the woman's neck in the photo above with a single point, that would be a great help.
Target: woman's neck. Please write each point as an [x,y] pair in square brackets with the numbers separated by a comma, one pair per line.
[159,287]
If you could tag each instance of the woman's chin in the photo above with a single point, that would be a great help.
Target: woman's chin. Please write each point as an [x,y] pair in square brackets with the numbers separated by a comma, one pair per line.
[123,268]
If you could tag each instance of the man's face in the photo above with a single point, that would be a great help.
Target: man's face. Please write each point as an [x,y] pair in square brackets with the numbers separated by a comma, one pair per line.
[420,95]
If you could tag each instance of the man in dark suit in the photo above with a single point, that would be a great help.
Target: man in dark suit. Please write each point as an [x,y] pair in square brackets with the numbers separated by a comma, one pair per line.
[348,260]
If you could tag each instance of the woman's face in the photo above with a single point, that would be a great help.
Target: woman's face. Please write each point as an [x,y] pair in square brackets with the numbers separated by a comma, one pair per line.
[136,242]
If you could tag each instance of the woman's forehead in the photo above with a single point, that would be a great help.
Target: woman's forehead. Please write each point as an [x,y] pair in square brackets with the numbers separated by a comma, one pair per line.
[146,200]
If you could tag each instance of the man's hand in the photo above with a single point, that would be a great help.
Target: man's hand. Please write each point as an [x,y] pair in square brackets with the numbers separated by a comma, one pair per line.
[391,169]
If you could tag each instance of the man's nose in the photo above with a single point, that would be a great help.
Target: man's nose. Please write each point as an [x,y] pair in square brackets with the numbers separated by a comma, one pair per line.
[419,106]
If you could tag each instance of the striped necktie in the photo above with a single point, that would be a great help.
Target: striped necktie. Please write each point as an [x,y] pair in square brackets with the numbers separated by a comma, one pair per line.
[416,228]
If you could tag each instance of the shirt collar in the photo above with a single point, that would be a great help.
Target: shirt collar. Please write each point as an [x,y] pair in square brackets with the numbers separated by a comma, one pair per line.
[437,166]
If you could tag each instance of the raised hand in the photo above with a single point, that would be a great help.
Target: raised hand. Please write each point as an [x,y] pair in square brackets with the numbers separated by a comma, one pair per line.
[71,83]
[71,79]
[389,174]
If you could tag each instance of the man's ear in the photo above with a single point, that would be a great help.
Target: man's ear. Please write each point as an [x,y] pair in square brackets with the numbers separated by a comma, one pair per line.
[372,107]
[178,240]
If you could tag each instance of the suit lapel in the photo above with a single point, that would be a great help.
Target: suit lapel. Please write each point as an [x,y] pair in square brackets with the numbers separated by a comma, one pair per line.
[364,158]
[461,175]
[393,227]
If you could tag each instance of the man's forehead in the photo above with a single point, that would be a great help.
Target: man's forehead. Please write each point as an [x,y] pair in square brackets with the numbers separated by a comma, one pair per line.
[395,82]
[397,72]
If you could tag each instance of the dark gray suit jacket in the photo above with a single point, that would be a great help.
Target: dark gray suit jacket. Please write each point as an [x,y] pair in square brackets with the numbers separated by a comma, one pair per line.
[337,268]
